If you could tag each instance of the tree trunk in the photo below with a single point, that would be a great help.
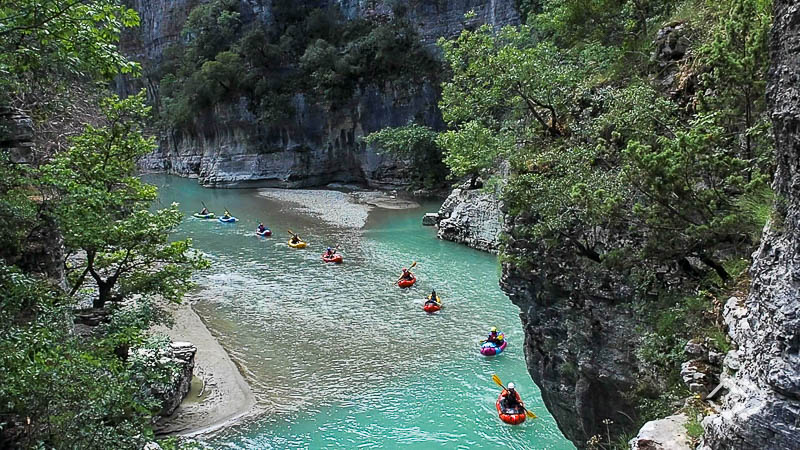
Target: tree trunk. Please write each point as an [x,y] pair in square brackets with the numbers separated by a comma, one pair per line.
[723,274]
[103,294]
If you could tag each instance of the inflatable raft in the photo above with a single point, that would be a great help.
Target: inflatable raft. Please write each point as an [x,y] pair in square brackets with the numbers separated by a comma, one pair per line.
[431,307]
[203,216]
[512,416]
[407,282]
[491,349]
[264,233]
[227,220]
[335,258]
[300,244]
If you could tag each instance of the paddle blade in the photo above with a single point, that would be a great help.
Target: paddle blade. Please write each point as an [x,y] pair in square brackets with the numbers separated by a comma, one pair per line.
[290,232]
[497,381]
[530,414]
[412,265]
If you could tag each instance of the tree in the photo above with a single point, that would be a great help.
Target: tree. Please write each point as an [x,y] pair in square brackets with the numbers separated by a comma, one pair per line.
[40,39]
[102,208]
[59,391]
[473,150]
[736,59]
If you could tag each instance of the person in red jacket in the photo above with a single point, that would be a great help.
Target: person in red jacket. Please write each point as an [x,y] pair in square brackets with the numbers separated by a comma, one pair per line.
[510,398]
[406,275]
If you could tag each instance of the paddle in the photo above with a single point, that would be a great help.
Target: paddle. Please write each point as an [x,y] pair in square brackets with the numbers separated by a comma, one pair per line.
[410,267]
[528,412]
[205,207]
[295,234]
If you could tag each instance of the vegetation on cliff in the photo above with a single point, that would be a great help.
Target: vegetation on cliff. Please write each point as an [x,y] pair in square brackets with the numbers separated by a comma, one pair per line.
[71,176]
[315,51]
[649,172]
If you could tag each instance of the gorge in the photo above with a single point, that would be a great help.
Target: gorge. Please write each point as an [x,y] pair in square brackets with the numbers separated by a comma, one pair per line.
[633,165]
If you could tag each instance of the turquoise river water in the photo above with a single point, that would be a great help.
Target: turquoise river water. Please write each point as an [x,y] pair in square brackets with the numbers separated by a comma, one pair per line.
[339,357]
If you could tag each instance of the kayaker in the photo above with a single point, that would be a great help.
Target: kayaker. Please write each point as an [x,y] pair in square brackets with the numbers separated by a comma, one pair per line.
[433,298]
[295,238]
[407,275]
[494,337]
[261,227]
[227,215]
[510,398]
[204,211]
[329,253]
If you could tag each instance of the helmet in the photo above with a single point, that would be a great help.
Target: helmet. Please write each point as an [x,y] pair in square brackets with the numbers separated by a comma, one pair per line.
[511,385]
[405,269]
[329,249]
[493,330]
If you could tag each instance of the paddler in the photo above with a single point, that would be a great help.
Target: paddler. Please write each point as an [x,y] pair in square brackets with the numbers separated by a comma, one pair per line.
[433,298]
[510,398]
[494,337]
[407,275]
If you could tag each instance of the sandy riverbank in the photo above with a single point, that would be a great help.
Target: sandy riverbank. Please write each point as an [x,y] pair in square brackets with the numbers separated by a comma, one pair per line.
[348,210]
[226,396]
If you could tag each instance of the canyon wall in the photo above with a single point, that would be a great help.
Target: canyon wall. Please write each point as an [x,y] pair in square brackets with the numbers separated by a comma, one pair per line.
[316,144]
[762,408]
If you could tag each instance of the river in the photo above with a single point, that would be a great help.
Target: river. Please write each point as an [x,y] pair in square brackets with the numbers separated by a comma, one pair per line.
[339,357]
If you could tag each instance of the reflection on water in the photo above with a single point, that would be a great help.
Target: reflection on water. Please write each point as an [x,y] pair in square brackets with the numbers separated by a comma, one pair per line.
[337,355]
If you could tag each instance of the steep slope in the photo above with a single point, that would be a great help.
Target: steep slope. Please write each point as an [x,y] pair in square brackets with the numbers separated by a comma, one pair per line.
[762,409]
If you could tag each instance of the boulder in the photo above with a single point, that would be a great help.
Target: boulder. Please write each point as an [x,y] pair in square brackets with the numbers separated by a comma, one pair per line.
[171,396]
[668,433]
[472,217]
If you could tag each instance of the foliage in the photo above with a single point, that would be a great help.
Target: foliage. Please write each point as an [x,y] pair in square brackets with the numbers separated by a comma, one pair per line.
[309,50]
[417,143]
[18,213]
[43,40]
[103,211]
[61,390]
[659,195]
[75,393]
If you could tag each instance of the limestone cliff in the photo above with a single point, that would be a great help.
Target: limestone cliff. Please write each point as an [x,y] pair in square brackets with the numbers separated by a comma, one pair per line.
[316,144]
[580,335]
[471,217]
[762,409]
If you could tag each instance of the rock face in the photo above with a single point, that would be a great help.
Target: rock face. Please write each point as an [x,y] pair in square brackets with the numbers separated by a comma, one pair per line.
[316,145]
[762,408]
[668,433]
[171,397]
[42,251]
[579,338]
[471,217]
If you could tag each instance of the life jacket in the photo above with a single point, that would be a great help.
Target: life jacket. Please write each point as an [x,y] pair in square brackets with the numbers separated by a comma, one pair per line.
[506,393]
